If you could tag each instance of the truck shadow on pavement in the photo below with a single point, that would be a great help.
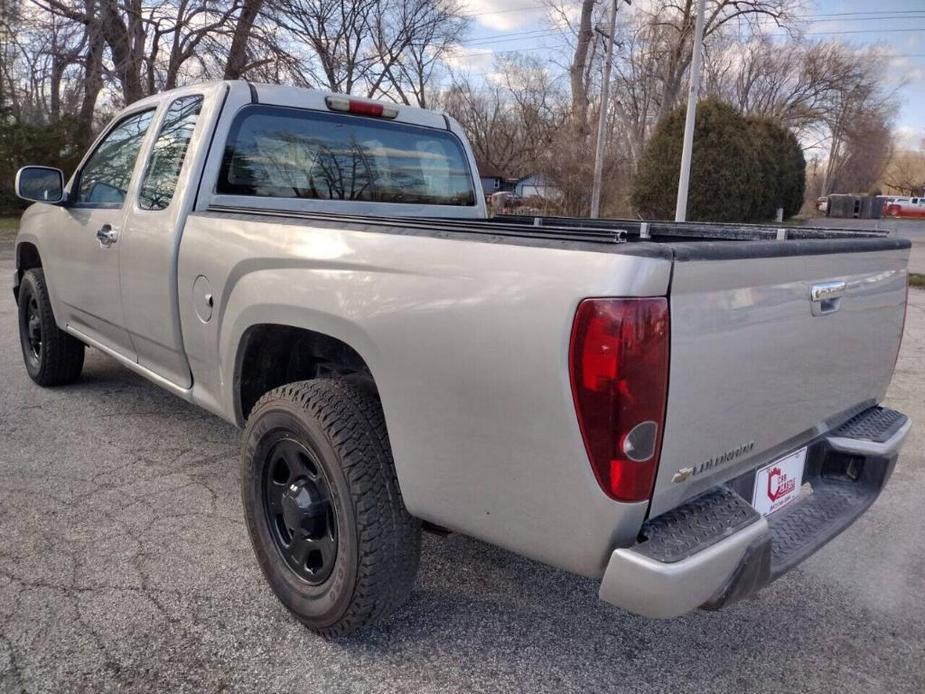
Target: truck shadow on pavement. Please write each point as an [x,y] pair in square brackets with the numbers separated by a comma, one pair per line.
[126,562]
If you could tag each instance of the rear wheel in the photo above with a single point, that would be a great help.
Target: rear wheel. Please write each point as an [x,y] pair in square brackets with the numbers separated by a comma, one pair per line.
[52,357]
[323,508]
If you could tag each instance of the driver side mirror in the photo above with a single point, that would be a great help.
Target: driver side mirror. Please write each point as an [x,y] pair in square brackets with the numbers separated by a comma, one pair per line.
[40,184]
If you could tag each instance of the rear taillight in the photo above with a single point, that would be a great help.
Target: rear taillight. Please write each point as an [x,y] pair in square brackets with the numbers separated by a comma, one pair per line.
[360,107]
[619,372]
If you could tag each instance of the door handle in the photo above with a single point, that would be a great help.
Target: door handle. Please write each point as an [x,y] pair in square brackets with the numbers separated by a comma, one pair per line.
[106,235]
[828,290]
[826,297]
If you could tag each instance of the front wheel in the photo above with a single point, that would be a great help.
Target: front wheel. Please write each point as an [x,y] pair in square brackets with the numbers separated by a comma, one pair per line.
[52,357]
[323,507]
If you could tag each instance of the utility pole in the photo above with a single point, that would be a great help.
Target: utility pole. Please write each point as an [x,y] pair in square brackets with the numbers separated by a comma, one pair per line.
[680,212]
[602,116]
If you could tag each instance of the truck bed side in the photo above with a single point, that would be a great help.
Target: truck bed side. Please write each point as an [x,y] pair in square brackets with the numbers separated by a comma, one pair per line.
[467,340]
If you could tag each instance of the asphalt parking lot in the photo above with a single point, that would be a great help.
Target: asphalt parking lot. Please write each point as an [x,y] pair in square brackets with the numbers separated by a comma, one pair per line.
[124,564]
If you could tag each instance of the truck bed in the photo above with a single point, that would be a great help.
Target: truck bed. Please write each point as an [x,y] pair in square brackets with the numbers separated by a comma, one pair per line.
[752,359]
[669,240]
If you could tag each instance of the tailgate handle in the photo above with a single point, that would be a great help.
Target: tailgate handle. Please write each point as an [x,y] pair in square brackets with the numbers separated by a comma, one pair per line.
[826,297]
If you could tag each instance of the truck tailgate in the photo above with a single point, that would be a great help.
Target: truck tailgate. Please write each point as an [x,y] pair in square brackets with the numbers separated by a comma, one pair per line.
[757,367]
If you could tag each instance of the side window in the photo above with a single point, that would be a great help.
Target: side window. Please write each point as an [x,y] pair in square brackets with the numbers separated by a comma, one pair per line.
[160,179]
[105,177]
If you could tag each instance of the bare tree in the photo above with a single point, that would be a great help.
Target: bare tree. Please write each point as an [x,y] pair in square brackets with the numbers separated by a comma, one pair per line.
[905,173]
[236,65]
[148,46]
[122,26]
[371,47]
[579,70]
[513,123]
[677,20]
[411,40]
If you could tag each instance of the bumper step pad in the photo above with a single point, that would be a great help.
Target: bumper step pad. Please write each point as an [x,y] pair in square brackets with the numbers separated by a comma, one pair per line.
[796,531]
[696,525]
[877,424]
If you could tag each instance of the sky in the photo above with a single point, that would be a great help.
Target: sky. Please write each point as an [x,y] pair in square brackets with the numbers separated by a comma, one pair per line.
[898,26]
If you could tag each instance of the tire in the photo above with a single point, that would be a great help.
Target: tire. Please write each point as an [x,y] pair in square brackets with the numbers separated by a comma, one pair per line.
[52,357]
[316,468]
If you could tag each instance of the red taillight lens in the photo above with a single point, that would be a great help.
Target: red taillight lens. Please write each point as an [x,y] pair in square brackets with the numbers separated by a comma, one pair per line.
[365,108]
[619,372]
[359,107]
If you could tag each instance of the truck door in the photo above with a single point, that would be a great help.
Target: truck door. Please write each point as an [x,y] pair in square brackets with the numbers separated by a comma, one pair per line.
[85,260]
[152,237]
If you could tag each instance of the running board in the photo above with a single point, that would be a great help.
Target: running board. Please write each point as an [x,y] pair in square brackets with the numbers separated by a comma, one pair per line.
[185,393]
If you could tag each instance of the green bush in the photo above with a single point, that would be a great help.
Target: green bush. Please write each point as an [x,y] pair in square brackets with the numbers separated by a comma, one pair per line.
[782,170]
[742,169]
[23,143]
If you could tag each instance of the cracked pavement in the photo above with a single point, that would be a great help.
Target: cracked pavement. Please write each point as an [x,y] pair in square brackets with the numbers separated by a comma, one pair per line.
[125,565]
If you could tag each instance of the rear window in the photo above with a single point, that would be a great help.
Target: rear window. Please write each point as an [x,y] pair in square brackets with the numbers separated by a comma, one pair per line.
[283,152]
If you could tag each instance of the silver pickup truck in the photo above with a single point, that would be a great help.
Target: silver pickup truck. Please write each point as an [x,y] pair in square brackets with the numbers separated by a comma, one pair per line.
[680,411]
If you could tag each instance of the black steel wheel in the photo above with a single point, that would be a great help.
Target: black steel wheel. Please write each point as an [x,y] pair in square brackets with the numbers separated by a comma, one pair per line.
[52,357]
[323,507]
[32,329]
[300,514]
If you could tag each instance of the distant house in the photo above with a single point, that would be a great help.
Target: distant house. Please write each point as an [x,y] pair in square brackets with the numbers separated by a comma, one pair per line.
[536,186]
[493,180]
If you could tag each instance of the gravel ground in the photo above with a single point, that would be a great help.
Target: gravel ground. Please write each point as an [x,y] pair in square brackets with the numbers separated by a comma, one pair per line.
[125,565]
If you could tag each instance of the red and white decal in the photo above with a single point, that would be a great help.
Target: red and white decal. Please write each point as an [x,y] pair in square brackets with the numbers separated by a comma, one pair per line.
[778,484]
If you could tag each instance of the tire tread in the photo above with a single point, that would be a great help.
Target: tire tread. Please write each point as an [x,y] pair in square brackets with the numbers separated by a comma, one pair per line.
[389,539]
[62,354]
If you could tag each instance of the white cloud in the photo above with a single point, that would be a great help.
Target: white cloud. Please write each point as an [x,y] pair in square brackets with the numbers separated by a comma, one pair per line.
[470,59]
[904,67]
[909,137]
[504,15]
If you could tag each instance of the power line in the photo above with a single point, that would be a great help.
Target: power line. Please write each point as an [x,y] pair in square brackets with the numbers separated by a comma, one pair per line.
[861,31]
[525,8]
[500,38]
[860,15]
[530,49]
[883,18]
[824,17]
[506,37]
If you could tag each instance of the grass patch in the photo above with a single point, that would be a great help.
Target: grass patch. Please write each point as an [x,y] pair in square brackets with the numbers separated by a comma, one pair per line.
[8,228]
[916,280]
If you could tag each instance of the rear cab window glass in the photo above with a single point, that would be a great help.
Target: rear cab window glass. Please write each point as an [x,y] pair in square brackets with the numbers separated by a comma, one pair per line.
[160,178]
[284,152]
[105,177]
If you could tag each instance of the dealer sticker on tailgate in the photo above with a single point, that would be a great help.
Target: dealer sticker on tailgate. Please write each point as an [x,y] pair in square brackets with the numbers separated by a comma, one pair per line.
[778,483]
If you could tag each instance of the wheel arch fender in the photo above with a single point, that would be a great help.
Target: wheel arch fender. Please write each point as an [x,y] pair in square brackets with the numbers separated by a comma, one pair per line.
[338,342]
[28,257]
